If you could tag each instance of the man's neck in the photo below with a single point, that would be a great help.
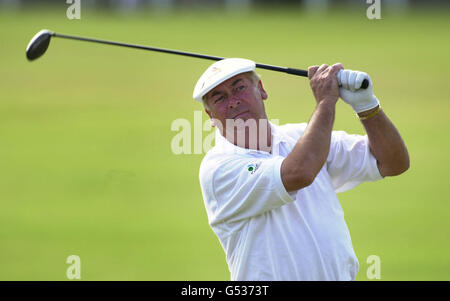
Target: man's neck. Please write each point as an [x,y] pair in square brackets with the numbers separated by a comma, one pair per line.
[258,137]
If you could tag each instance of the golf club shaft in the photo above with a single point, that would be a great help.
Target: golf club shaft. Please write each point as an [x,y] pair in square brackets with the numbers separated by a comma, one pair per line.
[293,71]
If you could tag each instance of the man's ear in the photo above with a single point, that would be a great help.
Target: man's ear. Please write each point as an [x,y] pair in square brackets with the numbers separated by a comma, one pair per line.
[262,91]
[210,117]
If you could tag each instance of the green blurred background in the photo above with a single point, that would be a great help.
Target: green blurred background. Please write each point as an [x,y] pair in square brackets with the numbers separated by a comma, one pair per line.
[86,161]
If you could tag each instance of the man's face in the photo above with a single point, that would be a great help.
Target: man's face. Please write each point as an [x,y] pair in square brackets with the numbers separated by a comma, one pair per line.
[236,98]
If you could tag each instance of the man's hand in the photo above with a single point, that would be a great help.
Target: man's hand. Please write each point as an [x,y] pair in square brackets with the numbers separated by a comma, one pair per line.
[324,82]
[301,166]
[360,99]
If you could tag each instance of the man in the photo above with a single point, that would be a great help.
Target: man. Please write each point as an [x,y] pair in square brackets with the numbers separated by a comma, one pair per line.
[270,191]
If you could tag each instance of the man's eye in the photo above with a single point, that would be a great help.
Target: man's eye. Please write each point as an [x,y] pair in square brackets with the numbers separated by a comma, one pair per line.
[240,88]
[218,99]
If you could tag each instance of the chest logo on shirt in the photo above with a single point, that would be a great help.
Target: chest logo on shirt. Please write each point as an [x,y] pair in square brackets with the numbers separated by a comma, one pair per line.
[253,167]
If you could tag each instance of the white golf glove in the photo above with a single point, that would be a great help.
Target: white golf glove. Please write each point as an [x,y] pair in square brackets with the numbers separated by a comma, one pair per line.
[360,99]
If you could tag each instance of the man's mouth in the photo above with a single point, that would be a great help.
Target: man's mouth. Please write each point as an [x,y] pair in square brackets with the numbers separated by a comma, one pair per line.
[240,115]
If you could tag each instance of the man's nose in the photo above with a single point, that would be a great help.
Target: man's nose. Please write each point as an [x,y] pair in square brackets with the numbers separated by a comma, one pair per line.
[234,101]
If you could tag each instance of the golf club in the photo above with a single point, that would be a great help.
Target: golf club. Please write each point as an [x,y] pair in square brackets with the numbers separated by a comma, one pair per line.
[39,44]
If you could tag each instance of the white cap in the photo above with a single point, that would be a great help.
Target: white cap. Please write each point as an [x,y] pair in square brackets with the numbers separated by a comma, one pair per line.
[219,72]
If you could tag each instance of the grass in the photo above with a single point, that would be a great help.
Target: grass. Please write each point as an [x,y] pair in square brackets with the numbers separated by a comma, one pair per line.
[87,167]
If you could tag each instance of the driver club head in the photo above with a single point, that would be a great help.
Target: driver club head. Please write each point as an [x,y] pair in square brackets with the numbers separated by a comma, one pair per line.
[38,44]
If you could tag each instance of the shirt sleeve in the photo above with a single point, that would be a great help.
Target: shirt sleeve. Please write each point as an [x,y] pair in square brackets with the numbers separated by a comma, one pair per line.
[350,161]
[240,188]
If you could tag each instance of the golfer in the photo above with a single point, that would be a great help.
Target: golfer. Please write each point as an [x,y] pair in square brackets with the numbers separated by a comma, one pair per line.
[270,191]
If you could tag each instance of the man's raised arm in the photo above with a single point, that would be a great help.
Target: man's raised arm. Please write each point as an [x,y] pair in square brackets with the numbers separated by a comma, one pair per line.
[306,159]
[385,141]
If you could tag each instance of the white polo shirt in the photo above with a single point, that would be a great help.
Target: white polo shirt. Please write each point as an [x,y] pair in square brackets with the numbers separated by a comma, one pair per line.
[270,234]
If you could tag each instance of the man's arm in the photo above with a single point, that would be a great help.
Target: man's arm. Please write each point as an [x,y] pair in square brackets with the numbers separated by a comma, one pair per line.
[306,159]
[301,166]
[385,143]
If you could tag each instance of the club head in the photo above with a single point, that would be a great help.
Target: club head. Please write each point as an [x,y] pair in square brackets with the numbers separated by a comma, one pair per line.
[38,44]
